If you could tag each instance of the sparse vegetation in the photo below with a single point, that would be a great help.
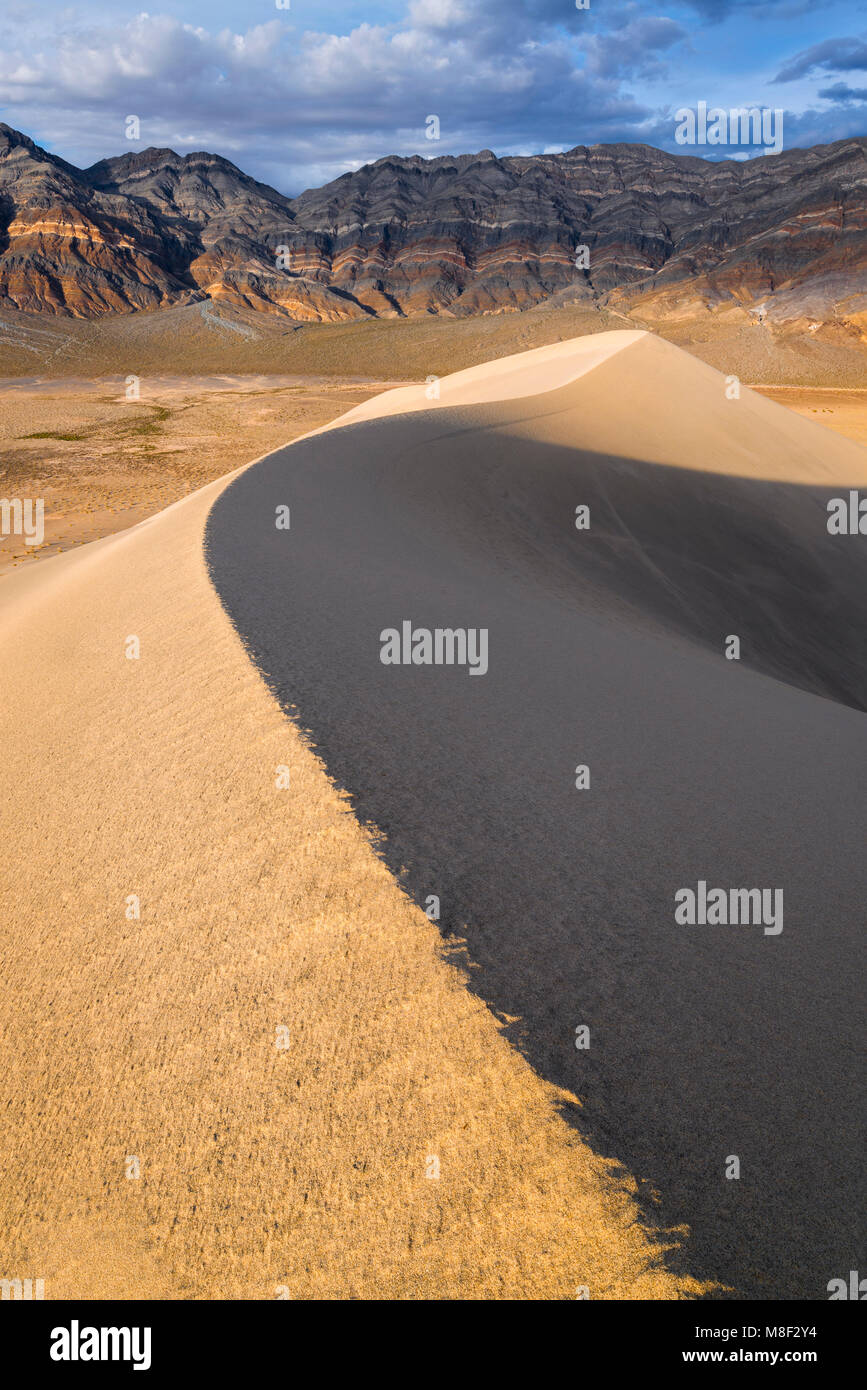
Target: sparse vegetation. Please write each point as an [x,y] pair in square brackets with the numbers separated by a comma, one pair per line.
[53,434]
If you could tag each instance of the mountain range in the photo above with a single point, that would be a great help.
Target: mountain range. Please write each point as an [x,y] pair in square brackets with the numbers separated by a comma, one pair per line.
[781,238]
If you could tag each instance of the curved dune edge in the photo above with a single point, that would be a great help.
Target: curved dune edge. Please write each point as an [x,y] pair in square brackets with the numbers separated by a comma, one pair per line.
[302,1169]
[531,373]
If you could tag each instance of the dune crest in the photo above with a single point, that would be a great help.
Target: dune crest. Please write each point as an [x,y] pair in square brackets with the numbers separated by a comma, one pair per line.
[520,374]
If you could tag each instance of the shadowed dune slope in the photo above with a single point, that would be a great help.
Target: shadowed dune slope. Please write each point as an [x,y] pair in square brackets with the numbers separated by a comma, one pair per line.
[735,542]
[606,649]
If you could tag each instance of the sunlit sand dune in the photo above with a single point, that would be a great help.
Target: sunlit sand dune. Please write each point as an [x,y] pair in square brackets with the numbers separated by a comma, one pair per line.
[509,378]
[239,1060]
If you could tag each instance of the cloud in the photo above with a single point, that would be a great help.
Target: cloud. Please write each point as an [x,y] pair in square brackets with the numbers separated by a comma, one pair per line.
[632,50]
[439,14]
[841,93]
[299,106]
[833,55]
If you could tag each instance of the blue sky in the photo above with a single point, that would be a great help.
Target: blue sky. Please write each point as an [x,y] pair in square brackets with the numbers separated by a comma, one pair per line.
[298,95]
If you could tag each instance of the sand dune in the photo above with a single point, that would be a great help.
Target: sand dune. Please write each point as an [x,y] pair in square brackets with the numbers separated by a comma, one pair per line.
[606,648]
[523,374]
[310,1168]
[656,405]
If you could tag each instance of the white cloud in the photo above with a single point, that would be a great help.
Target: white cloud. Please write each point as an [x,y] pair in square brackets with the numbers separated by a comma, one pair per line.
[297,104]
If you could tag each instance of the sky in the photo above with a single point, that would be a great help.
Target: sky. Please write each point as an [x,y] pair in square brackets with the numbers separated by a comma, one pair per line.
[297,92]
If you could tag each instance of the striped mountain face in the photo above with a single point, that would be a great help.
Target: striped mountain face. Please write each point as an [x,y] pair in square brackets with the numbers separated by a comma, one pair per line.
[628,227]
